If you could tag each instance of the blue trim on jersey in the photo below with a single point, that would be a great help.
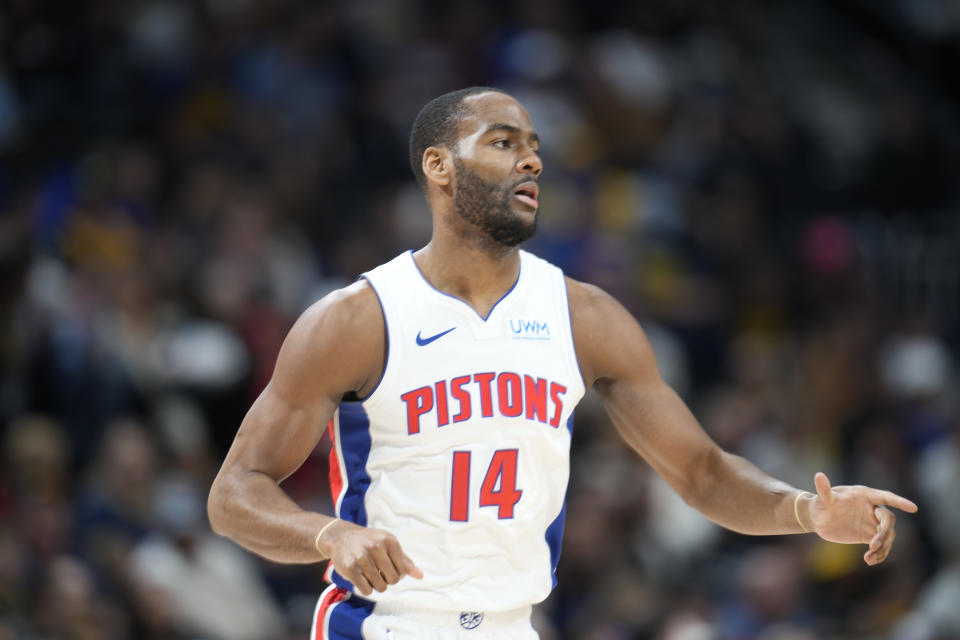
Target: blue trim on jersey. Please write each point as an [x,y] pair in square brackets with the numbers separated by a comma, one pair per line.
[346,619]
[463,302]
[554,540]
[355,447]
[555,530]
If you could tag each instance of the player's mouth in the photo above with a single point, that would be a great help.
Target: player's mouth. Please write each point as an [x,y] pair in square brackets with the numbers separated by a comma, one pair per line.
[527,192]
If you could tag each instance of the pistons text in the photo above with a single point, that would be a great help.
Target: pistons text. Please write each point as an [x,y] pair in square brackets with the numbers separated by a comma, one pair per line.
[510,394]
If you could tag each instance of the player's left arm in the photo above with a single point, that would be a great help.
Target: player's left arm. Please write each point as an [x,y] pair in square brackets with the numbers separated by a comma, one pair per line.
[616,359]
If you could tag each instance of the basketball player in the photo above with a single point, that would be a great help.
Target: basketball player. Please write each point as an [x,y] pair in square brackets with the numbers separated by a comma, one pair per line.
[451,374]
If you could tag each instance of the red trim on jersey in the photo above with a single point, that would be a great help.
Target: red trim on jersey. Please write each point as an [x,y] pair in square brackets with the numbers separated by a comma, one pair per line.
[336,484]
[330,598]
[336,479]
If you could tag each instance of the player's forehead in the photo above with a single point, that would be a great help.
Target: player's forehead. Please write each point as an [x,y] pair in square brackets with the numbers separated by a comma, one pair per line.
[490,109]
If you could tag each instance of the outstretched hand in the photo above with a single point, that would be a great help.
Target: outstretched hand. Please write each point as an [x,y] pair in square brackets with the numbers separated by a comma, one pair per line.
[369,558]
[857,515]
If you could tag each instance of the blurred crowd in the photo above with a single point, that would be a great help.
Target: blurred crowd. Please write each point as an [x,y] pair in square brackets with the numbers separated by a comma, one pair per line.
[772,188]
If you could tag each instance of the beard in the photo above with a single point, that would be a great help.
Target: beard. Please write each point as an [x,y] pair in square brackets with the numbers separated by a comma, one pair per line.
[486,207]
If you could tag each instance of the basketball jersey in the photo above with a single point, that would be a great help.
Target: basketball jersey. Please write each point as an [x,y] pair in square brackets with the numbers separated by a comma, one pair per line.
[462,450]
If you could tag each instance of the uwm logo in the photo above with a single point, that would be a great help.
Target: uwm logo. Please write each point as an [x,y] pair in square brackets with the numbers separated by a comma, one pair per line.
[529,329]
[508,394]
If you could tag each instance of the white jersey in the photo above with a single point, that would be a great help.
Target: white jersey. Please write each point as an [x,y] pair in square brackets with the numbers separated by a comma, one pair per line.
[462,450]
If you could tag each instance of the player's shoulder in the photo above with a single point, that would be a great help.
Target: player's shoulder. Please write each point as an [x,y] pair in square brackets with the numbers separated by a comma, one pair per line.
[335,346]
[609,341]
[355,297]
[587,300]
[350,309]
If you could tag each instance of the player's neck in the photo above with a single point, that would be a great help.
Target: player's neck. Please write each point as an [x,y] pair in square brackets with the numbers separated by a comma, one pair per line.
[477,276]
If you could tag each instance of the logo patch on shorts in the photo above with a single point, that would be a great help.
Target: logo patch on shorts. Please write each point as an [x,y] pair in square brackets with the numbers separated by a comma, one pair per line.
[471,619]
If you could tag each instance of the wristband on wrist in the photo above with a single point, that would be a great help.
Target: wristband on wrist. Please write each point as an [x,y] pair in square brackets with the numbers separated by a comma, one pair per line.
[323,529]
[796,510]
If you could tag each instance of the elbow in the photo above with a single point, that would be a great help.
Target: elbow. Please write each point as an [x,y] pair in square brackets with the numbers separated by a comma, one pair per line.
[699,480]
[691,495]
[216,507]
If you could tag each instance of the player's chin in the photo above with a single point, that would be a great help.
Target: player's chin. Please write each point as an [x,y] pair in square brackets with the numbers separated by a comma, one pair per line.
[525,218]
[515,235]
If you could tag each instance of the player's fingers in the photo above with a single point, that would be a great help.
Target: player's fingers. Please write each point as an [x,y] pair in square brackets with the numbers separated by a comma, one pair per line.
[878,556]
[385,565]
[884,526]
[882,542]
[887,546]
[409,568]
[372,574]
[822,483]
[405,564]
[360,583]
[413,570]
[879,496]
[402,561]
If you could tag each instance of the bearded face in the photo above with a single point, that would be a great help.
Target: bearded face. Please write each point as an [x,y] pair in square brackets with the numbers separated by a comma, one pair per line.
[488,207]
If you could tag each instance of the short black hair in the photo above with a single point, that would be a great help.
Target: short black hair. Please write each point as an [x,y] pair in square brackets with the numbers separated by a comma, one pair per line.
[436,125]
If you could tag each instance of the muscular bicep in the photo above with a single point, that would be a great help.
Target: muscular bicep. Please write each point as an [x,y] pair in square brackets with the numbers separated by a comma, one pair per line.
[618,361]
[276,436]
[337,346]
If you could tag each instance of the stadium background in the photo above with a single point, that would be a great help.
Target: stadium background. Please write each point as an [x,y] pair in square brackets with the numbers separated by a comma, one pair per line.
[771,187]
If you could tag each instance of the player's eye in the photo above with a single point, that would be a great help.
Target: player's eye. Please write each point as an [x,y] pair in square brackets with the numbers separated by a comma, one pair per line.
[503,143]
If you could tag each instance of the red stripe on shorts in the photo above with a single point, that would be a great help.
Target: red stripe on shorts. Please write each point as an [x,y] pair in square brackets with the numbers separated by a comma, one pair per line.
[330,598]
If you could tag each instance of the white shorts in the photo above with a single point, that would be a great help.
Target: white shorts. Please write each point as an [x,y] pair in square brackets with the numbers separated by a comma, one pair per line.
[341,615]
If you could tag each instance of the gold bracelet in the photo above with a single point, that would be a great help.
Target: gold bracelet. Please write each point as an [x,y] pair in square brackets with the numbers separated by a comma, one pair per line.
[796,511]
[323,529]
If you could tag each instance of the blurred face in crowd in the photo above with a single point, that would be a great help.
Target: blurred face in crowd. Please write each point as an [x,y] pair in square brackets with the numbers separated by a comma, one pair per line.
[497,165]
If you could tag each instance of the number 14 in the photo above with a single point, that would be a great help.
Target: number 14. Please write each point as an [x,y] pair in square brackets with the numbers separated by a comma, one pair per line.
[499,488]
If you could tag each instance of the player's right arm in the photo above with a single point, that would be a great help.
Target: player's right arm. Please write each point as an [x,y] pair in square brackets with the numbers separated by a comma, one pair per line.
[338,345]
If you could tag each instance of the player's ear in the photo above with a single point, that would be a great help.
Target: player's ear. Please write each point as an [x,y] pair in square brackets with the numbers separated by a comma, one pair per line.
[437,165]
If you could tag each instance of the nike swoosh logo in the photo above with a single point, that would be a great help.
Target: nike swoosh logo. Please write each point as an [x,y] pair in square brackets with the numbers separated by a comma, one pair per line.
[425,341]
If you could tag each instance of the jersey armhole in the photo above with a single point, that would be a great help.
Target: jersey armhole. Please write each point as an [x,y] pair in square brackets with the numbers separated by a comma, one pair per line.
[565,296]
[386,347]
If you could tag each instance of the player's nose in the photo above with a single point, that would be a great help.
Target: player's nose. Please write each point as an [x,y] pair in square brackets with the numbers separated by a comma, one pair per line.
[530,163]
